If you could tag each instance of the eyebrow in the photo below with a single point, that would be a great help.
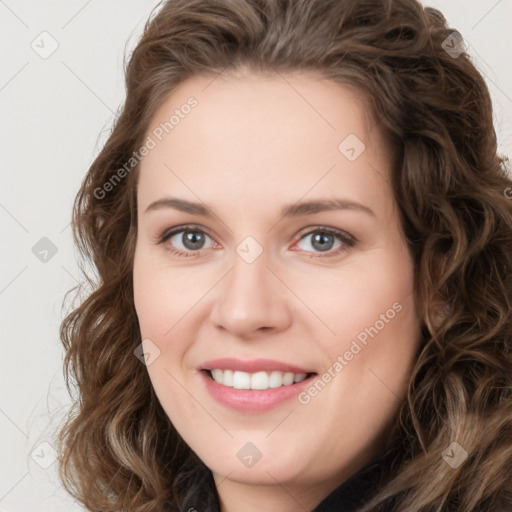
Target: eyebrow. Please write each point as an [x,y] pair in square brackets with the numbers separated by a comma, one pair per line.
[293,210]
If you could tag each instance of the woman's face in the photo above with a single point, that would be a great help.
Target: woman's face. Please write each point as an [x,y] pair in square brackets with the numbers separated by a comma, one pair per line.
[269,256]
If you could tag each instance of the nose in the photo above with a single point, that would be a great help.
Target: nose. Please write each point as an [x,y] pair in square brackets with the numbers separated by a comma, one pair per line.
[251,300]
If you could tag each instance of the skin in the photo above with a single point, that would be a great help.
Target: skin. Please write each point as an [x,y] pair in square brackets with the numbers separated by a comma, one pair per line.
[252,145]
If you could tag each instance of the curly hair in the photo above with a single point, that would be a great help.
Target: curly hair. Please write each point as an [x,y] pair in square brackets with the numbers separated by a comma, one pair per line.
[118,450]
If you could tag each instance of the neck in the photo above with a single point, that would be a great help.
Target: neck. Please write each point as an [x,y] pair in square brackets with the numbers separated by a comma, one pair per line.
[238,497]
[275,495]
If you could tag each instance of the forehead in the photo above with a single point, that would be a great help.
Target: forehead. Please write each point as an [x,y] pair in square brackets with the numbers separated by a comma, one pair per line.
[267,105]
[262,133]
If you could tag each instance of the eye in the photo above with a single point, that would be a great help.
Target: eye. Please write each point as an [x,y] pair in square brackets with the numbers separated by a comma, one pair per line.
[185,241]
[324,240]
[188,241]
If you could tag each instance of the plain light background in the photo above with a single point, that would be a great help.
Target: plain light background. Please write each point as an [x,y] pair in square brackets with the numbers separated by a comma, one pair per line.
[56,112]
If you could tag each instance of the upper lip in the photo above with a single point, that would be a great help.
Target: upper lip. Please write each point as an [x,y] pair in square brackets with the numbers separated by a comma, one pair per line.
[252,366]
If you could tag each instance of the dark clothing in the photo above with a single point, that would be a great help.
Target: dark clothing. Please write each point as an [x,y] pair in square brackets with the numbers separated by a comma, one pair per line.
[359,488]
[354,492]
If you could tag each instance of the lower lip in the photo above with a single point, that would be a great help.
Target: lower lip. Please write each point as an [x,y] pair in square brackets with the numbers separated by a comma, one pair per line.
[256,400]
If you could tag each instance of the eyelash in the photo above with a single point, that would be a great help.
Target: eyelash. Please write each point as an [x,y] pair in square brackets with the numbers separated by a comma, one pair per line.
[347,240]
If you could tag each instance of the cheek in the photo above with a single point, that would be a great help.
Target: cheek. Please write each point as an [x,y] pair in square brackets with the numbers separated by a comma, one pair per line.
[372,290]
[163,295]
[369,305]
[151,301]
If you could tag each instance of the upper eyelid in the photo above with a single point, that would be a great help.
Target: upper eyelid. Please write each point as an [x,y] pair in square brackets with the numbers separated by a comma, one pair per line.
[166,233]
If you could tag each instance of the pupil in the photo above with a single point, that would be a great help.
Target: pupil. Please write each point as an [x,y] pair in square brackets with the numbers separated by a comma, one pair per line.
[193,240]
[319,241]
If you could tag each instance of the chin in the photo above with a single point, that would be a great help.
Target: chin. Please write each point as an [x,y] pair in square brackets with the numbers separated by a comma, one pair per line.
[249,466]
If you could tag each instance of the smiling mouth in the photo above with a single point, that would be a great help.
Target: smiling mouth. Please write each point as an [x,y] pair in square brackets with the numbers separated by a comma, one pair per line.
[258,380]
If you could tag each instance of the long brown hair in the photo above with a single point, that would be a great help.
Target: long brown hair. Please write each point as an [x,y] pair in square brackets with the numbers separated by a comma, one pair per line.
[118,449]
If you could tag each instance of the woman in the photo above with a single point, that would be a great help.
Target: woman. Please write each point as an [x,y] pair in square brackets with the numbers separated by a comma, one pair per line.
[302,235]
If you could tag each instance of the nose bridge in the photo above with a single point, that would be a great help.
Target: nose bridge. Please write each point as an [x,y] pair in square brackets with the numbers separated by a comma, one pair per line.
[250,298]
[248,288]
[250,278]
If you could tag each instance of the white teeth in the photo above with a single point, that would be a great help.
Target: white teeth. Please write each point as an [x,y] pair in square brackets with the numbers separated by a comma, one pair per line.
[227,378]
[288,379]
[275,380]
[217,375]
[258,380]
[241,380]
